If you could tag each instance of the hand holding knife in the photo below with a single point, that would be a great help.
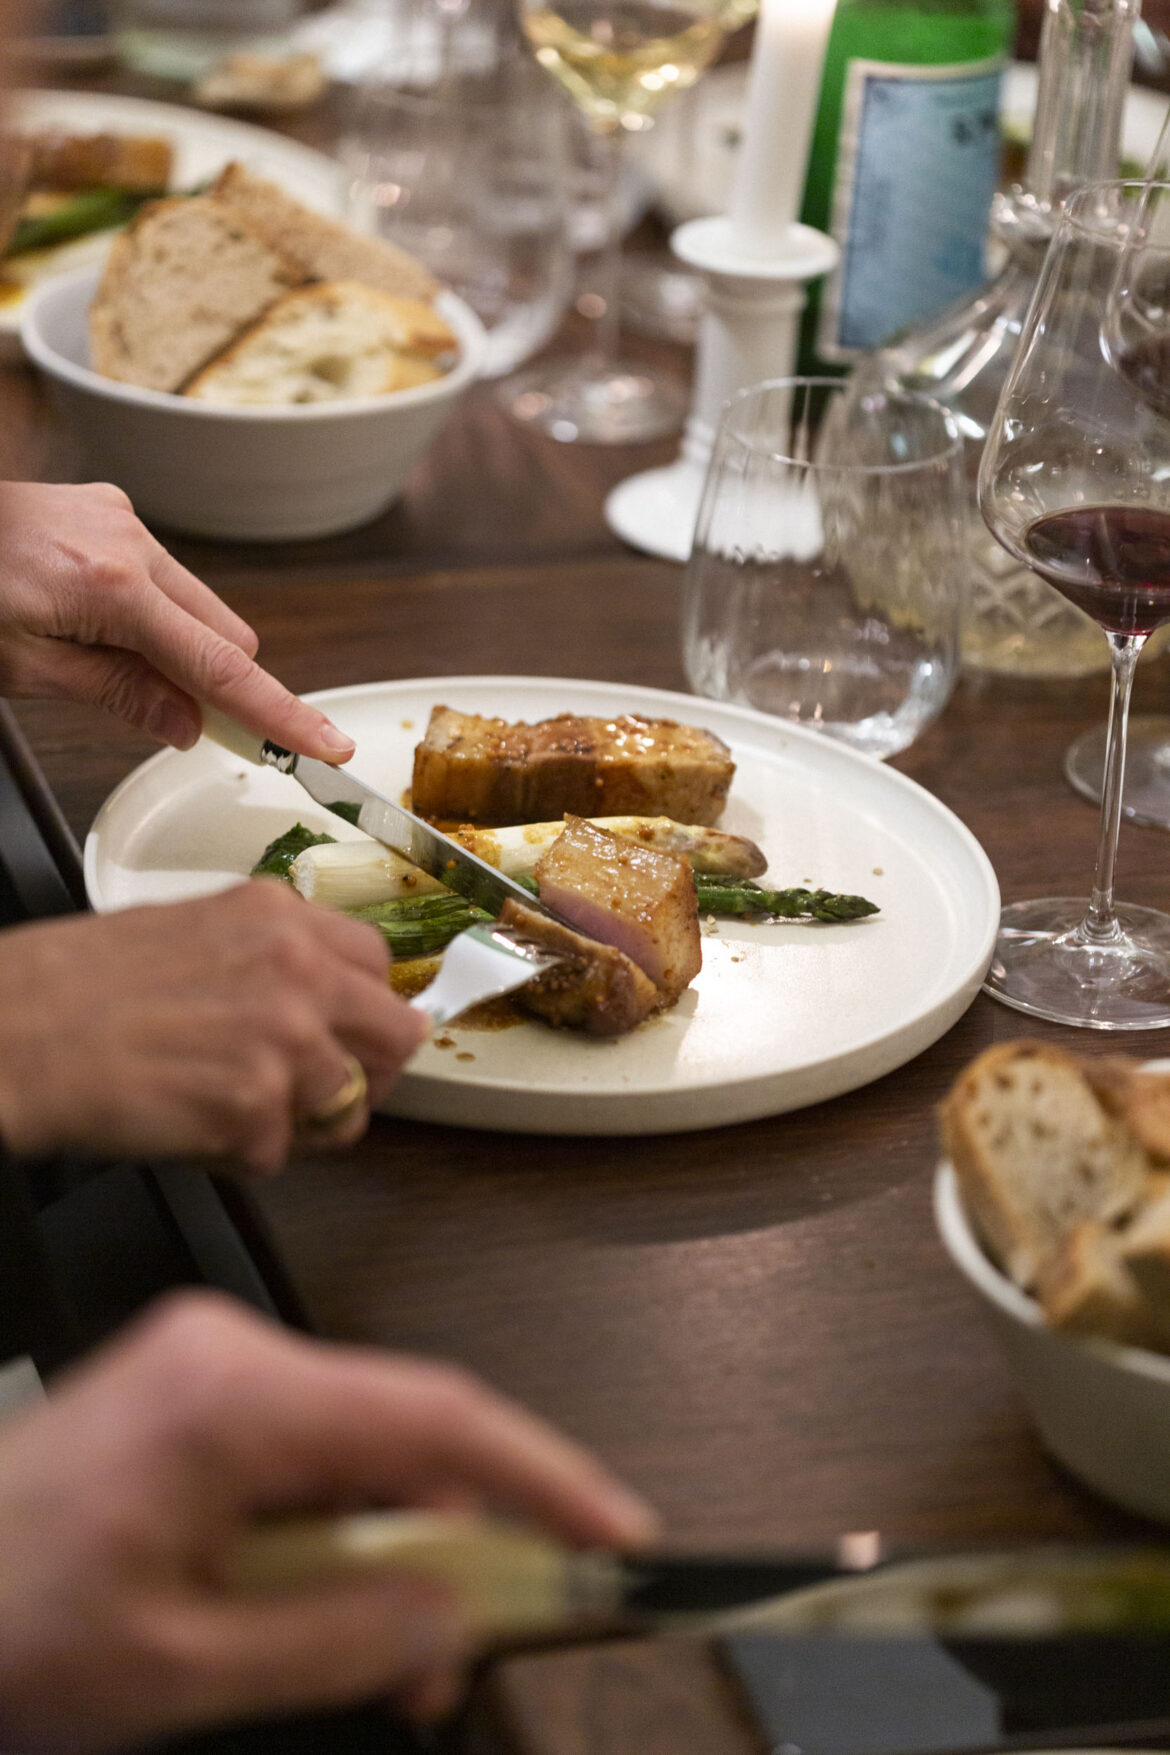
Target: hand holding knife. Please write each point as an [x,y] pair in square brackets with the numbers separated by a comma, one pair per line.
[397,828]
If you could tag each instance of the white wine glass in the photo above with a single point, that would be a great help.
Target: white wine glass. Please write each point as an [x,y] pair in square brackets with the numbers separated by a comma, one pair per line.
[619,60]
[1075,483]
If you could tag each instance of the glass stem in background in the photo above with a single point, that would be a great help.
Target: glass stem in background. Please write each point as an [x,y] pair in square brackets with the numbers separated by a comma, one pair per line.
[605,271]
[1100,925]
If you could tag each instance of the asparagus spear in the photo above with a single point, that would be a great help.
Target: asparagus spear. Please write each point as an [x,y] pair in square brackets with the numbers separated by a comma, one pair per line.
[416,926]
[94,210]
[738,900]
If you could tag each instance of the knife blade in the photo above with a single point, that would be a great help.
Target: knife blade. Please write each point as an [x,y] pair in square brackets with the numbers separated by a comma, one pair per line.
[517,1585]
[397,828]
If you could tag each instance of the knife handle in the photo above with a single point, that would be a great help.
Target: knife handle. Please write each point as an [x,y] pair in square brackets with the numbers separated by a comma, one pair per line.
[510,1582]
[224,731]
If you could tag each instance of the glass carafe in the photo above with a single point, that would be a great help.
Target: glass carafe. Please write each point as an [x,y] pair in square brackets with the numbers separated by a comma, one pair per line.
[1014,622]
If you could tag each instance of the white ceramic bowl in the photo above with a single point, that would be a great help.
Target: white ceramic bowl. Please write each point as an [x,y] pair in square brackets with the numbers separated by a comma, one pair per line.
[256,474]
[1101,1409]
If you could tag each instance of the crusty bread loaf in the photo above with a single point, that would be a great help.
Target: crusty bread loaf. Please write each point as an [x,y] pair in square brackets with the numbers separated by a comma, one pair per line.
[323,248]
[179,284]
[320,343]
[1036,1152]
[1064,1166]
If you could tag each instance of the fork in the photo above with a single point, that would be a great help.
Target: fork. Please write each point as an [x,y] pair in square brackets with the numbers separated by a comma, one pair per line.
[481,963]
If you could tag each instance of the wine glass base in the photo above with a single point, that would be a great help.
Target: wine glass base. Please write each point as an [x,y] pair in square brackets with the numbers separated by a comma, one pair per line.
[578,401]
[1041,966]
[1146,798]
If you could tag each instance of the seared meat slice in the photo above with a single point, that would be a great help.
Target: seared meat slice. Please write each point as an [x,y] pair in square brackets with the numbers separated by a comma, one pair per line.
[635,898]
[595,989]
[478,770]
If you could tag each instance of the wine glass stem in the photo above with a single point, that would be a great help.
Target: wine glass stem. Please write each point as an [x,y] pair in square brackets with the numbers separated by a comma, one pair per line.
[1100,924]
[606,270]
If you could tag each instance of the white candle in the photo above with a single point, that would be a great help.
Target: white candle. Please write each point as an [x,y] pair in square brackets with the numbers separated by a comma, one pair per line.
[783,88]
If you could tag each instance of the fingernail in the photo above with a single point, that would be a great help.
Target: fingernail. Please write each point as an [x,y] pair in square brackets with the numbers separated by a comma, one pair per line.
[333,739]
[171,725]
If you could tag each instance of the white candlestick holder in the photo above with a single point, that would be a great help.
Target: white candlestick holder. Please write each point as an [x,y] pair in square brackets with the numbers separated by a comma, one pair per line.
[748,333]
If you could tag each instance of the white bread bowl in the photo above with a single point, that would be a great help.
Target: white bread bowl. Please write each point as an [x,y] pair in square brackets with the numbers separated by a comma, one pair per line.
[1103,1410]
[249,474]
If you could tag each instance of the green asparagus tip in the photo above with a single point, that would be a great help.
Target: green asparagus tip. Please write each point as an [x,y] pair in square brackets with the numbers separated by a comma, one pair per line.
[748,901]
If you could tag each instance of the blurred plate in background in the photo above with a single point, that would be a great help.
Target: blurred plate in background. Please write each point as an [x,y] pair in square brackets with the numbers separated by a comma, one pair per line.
[203,145]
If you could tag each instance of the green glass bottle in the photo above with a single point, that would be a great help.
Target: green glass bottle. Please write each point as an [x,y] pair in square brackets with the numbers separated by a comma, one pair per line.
[904,164]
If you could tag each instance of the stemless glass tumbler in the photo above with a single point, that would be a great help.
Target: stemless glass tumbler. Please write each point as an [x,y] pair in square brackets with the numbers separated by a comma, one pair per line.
[826,577]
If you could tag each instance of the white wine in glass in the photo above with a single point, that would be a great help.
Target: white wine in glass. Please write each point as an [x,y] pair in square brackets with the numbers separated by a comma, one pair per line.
[620,67]
[619,60]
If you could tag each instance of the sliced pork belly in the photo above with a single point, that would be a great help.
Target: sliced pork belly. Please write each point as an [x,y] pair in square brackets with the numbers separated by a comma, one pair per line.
[596,988]
[638,899]
[478,770]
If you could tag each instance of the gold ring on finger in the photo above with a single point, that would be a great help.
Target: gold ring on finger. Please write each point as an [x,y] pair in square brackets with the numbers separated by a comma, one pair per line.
[346,1101]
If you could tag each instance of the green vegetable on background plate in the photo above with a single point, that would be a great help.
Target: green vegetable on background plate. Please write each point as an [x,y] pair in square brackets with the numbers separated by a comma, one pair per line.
[93,210]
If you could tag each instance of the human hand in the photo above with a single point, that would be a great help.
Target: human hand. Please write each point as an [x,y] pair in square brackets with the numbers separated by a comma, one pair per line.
[122,1497]
[93,609]
[204,1027]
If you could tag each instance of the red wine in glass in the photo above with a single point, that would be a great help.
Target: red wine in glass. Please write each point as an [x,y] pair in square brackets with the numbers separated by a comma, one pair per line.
[1147,367]
[1087,401]
[1111,561]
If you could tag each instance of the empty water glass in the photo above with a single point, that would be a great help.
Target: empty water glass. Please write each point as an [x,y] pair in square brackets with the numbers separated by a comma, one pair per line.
[825,581]
[473,183]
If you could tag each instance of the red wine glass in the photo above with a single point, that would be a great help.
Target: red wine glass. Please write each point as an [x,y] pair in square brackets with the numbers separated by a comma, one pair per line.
[1075,483]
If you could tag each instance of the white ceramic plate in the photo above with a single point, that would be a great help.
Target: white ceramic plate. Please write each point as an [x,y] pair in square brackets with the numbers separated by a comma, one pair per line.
[689,155]
[203,145]
[779,1017]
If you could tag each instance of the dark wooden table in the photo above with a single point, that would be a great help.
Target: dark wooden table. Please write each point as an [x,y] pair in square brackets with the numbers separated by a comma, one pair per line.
[756,1325]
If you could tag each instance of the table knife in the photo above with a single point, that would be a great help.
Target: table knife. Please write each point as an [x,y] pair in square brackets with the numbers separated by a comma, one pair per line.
[517,1586]
[393,825]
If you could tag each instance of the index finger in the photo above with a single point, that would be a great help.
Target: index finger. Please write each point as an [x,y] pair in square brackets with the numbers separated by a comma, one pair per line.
[199,600]
[214,670]
[303,1423]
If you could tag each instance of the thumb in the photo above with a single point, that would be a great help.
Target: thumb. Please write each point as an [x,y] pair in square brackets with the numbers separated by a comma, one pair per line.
[122,682]
[344,1641]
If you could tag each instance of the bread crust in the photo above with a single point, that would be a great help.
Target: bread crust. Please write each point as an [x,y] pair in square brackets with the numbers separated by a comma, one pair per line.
[323,248]
[1063,1163]
[156,317]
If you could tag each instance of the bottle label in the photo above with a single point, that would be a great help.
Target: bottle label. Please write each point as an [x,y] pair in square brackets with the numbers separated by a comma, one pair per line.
[917,164]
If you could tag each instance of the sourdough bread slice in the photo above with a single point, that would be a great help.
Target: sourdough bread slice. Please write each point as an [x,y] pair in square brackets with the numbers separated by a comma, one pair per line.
[1090,1288]
[322,343]
[1144,1247]
[179,284]
[1037,1152]
[324,248]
